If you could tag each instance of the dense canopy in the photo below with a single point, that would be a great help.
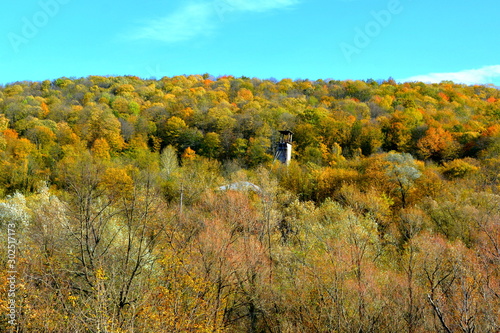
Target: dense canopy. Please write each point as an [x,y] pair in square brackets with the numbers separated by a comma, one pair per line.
[119,191]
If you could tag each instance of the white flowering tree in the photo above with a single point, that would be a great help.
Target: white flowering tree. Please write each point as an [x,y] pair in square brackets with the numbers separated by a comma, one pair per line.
[403,172]
[14,210]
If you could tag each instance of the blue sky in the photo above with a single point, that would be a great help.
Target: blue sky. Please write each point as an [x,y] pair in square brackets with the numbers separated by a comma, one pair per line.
[310,39]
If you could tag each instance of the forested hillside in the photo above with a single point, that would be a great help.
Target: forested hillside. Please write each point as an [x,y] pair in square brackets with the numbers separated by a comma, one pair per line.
[386,220]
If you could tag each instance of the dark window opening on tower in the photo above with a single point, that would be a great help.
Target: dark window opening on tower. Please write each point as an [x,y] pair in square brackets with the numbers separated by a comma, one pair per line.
[284,150]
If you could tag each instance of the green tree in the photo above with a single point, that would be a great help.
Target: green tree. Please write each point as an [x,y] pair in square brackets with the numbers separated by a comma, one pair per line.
[211,146]
[257,152]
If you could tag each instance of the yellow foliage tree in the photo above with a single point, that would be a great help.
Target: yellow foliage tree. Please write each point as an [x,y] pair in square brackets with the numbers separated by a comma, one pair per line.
[188,155]
[100,149]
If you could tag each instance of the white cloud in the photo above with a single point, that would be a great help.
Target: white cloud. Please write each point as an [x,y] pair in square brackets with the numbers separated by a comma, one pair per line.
[201,18]
[482,75]
[188,22]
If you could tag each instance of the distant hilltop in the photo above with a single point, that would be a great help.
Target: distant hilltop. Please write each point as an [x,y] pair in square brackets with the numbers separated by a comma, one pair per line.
[238,119]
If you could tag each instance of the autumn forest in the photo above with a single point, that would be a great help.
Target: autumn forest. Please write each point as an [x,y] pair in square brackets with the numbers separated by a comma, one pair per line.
[156,205]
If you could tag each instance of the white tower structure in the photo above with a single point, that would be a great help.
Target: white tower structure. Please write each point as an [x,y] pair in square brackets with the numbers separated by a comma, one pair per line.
[284,151]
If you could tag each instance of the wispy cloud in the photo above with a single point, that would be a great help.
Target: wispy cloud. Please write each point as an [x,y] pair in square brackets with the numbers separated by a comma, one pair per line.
[482,75]
[190,21]
[201,18]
